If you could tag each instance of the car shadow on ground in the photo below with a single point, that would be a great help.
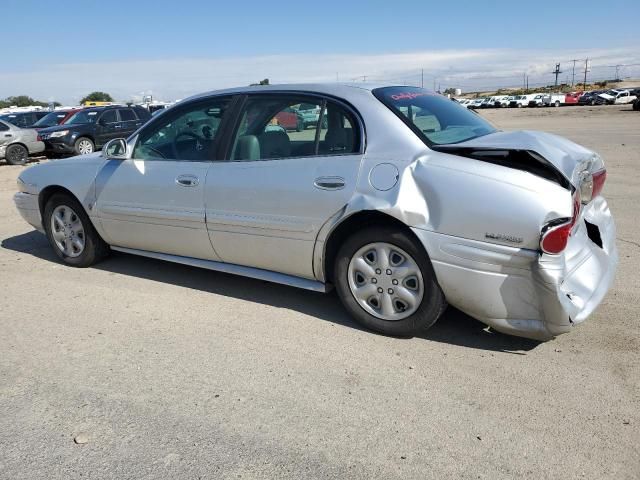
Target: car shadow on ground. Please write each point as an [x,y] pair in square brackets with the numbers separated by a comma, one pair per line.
[454,327]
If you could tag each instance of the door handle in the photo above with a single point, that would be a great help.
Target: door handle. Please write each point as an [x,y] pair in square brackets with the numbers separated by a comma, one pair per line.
[8,135]
[187,180]
[329,183]
[117,126]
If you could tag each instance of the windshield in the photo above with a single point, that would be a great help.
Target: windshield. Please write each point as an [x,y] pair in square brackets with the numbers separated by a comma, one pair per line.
[434,118]
[83,117]
[51,119]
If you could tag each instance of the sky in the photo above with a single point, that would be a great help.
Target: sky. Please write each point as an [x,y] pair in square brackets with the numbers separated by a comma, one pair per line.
[63,49]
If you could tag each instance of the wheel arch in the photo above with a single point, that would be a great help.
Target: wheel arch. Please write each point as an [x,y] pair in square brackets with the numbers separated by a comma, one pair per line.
[47,192]
[352,223]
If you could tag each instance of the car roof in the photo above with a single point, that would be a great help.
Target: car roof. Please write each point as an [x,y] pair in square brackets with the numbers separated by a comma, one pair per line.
[342,90]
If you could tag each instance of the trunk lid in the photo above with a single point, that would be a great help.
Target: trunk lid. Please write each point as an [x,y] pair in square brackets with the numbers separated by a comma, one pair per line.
[567,157]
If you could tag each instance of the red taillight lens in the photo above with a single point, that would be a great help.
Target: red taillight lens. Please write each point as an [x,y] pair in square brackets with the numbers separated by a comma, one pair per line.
[39,139]
[599,178]
[555,234]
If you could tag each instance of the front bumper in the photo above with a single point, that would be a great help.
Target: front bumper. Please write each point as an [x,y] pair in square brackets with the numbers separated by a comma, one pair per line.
[520,291]
[29,209]
[58,145]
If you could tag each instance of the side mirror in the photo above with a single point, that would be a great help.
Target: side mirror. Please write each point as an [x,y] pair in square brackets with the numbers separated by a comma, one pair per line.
[115,149]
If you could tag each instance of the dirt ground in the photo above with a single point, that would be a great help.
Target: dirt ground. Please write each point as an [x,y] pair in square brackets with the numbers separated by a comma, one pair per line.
[174,372]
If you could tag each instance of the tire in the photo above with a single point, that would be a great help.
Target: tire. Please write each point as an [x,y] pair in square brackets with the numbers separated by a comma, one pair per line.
[16,155]
[72,223]
[556,104]
[300,126]
[636,105]
[84,146]
[349,271]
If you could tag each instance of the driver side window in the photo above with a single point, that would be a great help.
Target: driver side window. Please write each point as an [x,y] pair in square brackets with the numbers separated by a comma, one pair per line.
[190,133]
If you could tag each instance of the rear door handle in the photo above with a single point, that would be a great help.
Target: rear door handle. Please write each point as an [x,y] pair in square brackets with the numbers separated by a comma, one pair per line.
[187,180]
[329,183]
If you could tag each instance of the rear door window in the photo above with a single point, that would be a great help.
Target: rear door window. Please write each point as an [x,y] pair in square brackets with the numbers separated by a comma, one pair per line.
[110,116]
[127,115]
[284,126]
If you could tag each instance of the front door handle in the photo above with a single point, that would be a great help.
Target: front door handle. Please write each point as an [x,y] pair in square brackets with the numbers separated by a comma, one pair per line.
[187,180]
[329,183]
[8,135]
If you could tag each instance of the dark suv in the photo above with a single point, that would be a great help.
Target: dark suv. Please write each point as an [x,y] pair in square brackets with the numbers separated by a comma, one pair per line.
[89,129]
[24,119]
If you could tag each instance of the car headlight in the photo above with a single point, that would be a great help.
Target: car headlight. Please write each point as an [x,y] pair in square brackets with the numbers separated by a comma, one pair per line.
[60,133]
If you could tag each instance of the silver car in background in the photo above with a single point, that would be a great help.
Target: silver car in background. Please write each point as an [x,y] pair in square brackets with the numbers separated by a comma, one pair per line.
[16,144]
[400,198]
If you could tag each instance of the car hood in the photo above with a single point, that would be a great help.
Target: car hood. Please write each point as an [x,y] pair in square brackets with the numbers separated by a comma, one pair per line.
[567,157]
[57,128]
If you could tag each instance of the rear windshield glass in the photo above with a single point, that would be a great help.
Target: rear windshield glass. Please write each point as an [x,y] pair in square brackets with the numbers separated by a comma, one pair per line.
[434,118]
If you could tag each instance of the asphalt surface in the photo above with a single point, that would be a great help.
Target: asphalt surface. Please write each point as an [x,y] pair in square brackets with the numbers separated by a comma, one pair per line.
[166,371]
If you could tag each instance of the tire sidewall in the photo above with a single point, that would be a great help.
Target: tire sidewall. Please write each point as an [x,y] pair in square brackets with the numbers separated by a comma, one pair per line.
[90,253]
[432,301]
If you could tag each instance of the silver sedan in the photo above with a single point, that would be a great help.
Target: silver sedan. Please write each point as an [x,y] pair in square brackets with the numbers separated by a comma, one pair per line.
[16,144]
[400,198]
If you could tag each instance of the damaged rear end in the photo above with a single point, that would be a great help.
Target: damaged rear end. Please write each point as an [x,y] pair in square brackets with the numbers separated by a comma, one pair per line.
[577,256]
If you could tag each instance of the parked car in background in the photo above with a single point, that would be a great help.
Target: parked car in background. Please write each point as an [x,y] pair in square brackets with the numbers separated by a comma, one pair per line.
[520,101]
[572,98]
[615,97]
[290,119]
[537,100]
[502,101]
[589,98]
[16,144]
[90,128]
[553,99]
[475,103]
[405,202]
[24,119]
[57,117]
[310,114]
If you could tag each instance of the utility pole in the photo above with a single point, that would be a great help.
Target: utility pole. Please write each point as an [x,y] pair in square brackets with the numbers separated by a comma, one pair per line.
[573,72]
[557,72]
[617,71]
[586,69]
[422,78]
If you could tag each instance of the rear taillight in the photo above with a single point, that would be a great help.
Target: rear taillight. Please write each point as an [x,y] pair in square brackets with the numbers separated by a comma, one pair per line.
[591,185]
[39,138]
[556,233]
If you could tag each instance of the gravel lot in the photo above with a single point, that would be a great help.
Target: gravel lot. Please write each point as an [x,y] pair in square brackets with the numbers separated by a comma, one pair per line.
[174,372]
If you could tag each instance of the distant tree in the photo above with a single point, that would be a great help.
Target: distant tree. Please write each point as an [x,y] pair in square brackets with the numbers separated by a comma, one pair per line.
[450,91]
[97,97]
[24,101]
[261,82]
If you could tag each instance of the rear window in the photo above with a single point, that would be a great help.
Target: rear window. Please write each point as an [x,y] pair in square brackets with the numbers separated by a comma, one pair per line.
[435,119]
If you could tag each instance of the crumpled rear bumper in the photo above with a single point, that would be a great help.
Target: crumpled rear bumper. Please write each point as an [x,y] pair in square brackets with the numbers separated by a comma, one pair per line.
[523,292]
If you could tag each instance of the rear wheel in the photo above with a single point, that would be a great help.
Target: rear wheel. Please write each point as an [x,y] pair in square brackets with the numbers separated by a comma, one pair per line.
[556,104]
[71,233]
[385,280]
[16,155]
[83,146]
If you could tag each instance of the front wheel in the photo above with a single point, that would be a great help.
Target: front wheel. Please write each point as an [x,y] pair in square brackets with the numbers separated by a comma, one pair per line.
[84,146]
[385,280]
[16,155]
[71,233]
